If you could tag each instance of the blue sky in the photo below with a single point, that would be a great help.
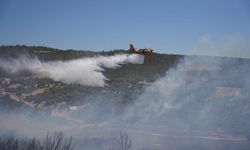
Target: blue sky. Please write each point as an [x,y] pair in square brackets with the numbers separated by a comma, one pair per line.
[168,26]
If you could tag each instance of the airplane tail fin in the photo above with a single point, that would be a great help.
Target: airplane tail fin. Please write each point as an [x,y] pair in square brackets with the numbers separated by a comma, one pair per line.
[131,48]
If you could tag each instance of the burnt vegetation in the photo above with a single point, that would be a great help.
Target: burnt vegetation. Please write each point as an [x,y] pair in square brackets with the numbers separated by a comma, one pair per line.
[56,141]
[122,142]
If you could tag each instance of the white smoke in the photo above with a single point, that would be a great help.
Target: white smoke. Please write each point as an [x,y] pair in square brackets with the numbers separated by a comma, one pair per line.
[85,71]
[192,88]
[234,46]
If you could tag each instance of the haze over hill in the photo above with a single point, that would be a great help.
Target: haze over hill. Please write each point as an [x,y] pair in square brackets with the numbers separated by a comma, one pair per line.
[164,102]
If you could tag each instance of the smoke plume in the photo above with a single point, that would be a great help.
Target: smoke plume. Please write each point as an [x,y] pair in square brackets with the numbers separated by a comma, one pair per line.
[234,46]
[85,71]
[201,94]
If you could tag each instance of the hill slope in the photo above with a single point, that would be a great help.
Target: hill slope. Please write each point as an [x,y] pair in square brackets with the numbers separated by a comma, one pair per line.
[173,100]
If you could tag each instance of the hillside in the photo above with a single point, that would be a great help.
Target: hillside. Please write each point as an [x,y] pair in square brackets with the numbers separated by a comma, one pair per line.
[127,79]
[183,100]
